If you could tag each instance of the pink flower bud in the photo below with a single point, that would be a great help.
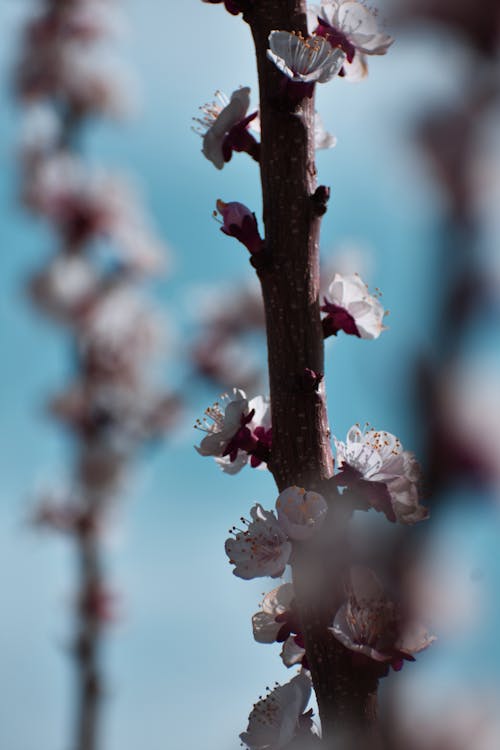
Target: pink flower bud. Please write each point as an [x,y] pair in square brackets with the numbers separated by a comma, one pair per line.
[240,222]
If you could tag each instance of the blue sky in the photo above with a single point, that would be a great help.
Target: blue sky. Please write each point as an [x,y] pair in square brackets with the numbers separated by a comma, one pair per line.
[182,666]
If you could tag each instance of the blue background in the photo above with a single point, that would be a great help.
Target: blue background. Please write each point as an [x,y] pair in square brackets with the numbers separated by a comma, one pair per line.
[182,667]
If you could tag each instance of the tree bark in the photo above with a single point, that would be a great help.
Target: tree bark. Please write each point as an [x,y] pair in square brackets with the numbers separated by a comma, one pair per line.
[301,452]
[88,646]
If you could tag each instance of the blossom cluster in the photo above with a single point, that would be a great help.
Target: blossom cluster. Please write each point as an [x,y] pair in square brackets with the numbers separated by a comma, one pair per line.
[62,59]
[94,281]
[362,620]
[340,35]
[226,127]
[224,350]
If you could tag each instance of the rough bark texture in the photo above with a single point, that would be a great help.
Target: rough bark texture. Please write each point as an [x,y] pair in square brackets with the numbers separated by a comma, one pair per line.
[301,453]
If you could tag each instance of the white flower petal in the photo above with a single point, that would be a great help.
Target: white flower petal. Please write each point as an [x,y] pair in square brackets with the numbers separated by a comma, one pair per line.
[300,513]
[304,60]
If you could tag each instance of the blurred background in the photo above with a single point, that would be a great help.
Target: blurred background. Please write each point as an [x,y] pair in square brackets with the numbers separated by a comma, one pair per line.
[415,180]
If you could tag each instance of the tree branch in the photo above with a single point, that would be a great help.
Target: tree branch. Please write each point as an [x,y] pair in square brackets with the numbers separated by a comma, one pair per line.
[301,452]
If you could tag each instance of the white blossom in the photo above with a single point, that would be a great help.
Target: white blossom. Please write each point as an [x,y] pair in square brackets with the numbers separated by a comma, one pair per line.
[262,549]
[231,467]
[120,332]
[322,138]
[362,623]
[66,284]
[304,60]
[218,118]
[300,513]
[277,602]
[292,653]
[378,456]
[274,720]
[370,624]
[92,202]
[221,423]
[363,311]
[358,23]
[354,28]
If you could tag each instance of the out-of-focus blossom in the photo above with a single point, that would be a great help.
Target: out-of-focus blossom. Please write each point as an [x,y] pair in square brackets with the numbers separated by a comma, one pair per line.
[88,84]
[90,203]
[224,127]
[350,308]
[64,512]
[240,222]
[449,720]
[65,287]
[119,333]
[369,623]
[262,549]
[116,412]
[300,513]
[480,29]
[40,135]
[224,350]
[322,138]
[102,469]
[302,60]
[100,604]
[469,398]
[374,462]
[84,21]
[275,719]
[351,26]
[224,359]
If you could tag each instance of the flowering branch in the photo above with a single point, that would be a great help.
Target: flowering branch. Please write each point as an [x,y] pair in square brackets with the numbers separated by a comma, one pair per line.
[335,620]
[111,408]
[301,453]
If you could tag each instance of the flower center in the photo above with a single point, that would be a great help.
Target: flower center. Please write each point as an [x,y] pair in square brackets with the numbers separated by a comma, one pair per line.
[336,38]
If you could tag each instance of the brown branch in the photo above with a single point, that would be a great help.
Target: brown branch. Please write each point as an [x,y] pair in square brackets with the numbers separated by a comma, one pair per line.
[88,644]
[301,452]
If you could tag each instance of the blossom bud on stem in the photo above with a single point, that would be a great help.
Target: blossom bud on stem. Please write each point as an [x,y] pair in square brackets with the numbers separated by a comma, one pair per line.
[301,453]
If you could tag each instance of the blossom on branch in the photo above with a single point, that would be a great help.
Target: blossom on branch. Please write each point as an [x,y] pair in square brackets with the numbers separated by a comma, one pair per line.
[271,621]
[300,513]
[276,719]
[238,431]
[350,308]
[351,26]
[374,466]
[369,624]
[262,549]
[277,621]
[322,138]
[239,222]
[293,652]
[224,127]
[307,61]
